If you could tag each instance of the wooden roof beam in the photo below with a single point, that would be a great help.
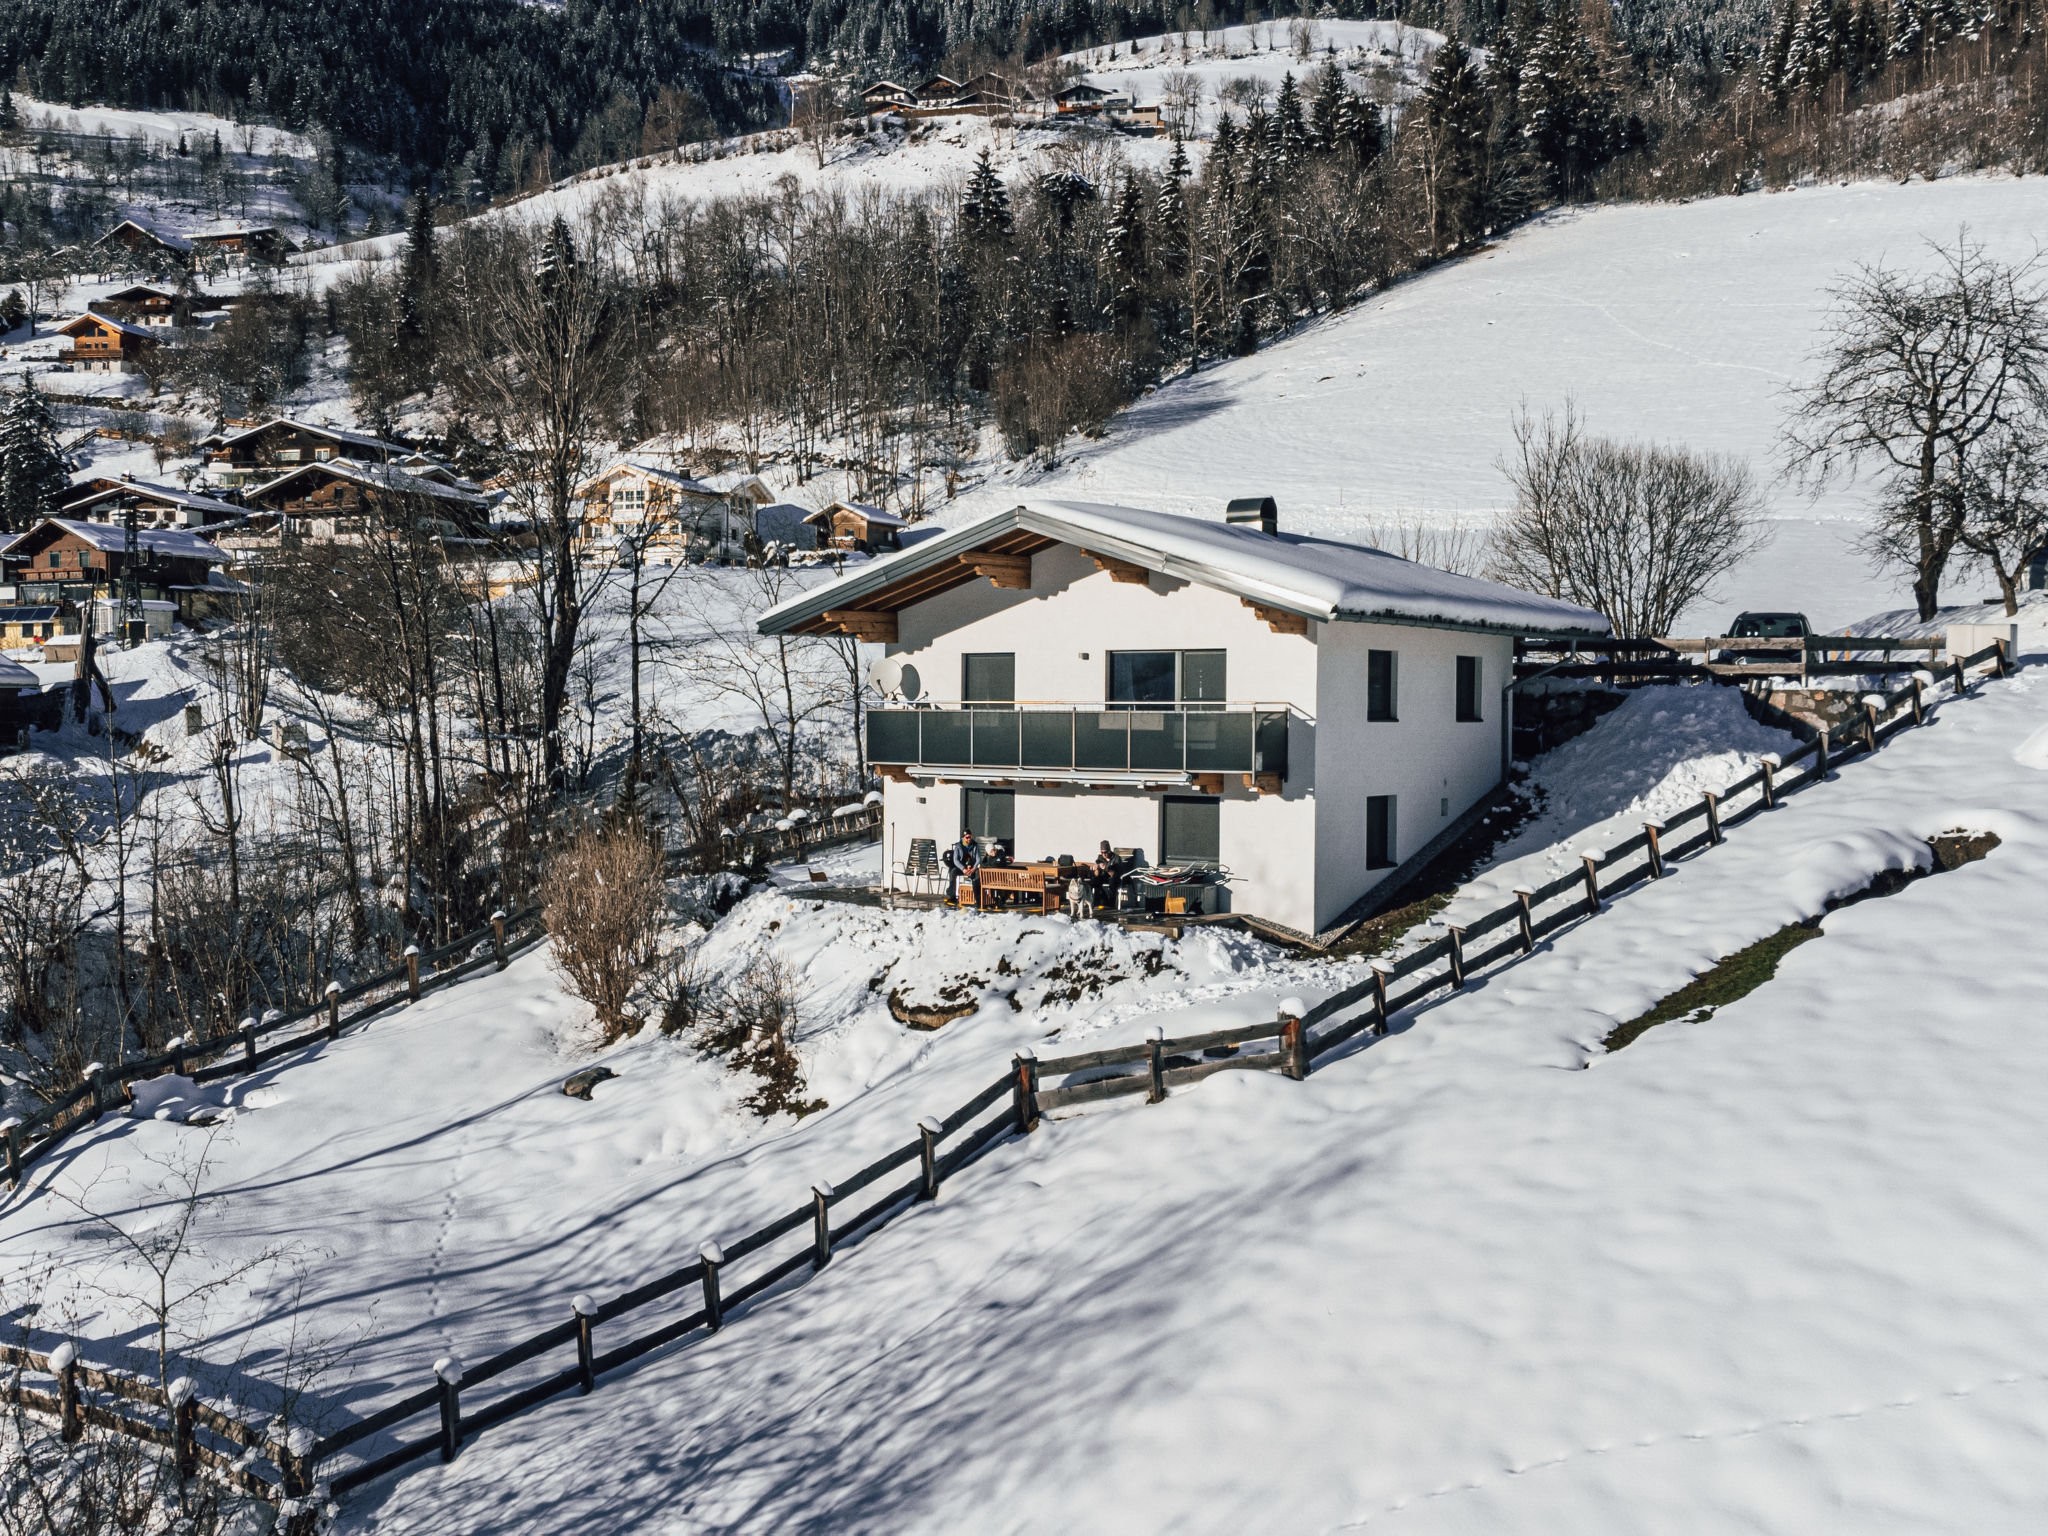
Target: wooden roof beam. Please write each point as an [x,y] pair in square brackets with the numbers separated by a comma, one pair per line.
[863,624]
[1010,571]
[1126,571]
[1278,620]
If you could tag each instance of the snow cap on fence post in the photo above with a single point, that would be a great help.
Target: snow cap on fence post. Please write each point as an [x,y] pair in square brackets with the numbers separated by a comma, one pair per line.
[1293,1045]
[448,1374]
[180,1391]
[333,996]
[585,1308]
[929,1129]
[449,1369]
[714,1308]
[412,971]
[583,1304]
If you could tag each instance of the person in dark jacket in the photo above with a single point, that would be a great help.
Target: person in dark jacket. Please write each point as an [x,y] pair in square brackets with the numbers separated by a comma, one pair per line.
[963,862]
[1106,874]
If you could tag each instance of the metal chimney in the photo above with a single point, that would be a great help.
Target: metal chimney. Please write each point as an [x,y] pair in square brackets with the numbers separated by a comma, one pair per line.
[1254,509]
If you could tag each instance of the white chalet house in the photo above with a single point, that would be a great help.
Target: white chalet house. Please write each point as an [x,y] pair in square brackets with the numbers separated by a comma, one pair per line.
[1303,715]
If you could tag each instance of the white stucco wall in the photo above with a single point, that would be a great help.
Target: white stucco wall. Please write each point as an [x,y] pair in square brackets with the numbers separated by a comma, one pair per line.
[1296,858]
[1433,763]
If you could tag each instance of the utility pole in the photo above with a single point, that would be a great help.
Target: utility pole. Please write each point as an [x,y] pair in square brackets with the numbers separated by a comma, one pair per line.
[132,623]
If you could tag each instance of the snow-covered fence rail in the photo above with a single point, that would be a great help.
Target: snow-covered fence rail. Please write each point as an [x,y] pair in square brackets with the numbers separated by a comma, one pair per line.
[198,1434]
[830,1215]
[30,1139]
[1449,962]
[1662,657]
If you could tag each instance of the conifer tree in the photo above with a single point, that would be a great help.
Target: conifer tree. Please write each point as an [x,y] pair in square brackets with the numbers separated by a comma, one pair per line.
[1170,212]
[412,341]
[1288,133]
[1326,110]
[1128,263]
[33,477]
[1456,112]
[1567,114]
[985,208]
[1777,57]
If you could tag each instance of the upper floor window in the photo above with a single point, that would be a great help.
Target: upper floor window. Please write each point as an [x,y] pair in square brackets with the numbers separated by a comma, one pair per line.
[1468,688]
[989,677]
[1138,678]
[1382,682]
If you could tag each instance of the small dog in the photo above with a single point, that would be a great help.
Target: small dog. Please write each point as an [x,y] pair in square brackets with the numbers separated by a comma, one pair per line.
[1080,900]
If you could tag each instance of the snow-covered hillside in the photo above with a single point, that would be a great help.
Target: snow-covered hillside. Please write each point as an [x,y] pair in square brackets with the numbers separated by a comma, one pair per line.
[1384,59]
[1777,1271]
[1676,322]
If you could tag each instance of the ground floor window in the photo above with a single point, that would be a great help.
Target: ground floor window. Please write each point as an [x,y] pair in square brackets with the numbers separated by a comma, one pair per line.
[1190,832]
[990,814]
[1379,832]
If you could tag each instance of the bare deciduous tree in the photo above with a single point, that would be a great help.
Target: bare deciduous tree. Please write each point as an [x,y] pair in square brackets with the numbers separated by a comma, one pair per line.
[2005,508]
[1456,546]
[1922,372]
[1639,532]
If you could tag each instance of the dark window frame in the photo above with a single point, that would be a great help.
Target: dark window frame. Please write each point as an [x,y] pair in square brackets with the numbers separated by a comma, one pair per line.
[1179,686]
[967,694]
[1382,831]
[1383,687]
[1471,693]
[1168,854]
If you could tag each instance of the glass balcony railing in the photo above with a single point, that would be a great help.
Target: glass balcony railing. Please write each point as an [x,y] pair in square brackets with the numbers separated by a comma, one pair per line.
[1079,739]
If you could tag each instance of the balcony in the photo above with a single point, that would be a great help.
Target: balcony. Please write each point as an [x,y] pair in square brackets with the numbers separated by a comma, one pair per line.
[1082,743]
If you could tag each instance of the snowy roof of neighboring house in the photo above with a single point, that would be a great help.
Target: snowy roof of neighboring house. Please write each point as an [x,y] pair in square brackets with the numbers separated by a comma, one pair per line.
[675,479]
[382,477]
[233,231]
[136,291]
[175,242]
[169,495]
[1081,90]
[15,676]
[1322,579]
[338,434]
[728,481]
[112,539]
[872,514]
[108,321]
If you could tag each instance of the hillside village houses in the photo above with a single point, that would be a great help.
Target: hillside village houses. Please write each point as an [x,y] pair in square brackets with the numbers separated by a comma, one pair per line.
[101,344]
[1294,718]
[257,454]
[106,499]
[334,501]
[671,515]
[69,564]
[855,525]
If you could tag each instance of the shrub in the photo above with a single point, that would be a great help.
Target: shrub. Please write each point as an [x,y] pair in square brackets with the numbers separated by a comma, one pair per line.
[601,896]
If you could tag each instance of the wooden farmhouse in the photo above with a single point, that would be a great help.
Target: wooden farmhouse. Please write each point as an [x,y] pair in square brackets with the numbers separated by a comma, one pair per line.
[148,305]
[1083,99]
[98,344]
[854,525]
[258,453]
[887,96]
[341,501]
[244,242]
[28,625]
[669,514]
[1275,725]
[67,563]
[937,91]
[106,499]
[150,245]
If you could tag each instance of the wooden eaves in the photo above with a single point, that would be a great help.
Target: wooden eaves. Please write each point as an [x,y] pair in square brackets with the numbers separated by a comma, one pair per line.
[1004,560]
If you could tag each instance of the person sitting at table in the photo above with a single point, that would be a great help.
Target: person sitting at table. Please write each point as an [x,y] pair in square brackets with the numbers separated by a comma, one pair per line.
[1106,874]
[963,862]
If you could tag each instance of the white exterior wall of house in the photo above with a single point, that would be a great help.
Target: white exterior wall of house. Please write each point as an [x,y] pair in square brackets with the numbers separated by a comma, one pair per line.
[1434,765]
[1266,842]
[1296,858]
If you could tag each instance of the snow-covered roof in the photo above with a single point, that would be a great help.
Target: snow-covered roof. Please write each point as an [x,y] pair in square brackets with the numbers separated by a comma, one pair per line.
[1322,579]
[873,514]
[383,477]
[169,495]
[175,242]
[108,321]
[731,480]
[15,676]
[336,434]
[674,479]
[112,539]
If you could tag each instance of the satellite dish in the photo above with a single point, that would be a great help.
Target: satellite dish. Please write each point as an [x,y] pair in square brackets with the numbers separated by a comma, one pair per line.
[894,678]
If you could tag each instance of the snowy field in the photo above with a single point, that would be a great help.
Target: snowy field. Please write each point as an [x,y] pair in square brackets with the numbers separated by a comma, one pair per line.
[163,126]
[1377,57]
[1774,1272]
[1674,322]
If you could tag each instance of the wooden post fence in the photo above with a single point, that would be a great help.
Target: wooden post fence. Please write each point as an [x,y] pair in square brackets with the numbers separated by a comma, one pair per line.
[585,1310]
[711,1256]
[821,1225]
[412,972]
[448,1378]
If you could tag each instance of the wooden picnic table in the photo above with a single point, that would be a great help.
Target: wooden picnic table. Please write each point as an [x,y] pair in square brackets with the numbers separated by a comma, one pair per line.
[1032,887]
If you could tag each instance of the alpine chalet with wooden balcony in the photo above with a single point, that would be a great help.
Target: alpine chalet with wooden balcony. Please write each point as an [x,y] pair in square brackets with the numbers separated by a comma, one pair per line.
[1300,716]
